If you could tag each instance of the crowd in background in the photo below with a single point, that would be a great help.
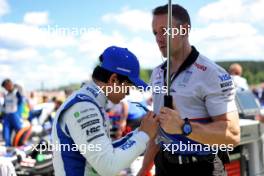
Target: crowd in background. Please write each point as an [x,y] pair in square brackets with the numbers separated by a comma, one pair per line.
[36,107]
[39,106]
[19,108]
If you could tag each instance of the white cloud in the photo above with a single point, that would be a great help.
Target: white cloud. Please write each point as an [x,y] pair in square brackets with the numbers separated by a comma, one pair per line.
[58,54]
[22,35]
[57,73]
[232,30]
[256,11]
[147,52]
[6,71]
[222,30]
[38,69]
[235,10]
[134,20]
[36,55]
[36,18]
[4,7]
[93,44]
[222,41]
[18,55]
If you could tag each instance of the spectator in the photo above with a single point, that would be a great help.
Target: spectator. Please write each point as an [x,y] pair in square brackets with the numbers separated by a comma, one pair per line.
[236,71]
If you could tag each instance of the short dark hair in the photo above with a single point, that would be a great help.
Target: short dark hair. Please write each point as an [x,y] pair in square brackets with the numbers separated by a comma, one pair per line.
[103,75]
[5,82]
[178,12]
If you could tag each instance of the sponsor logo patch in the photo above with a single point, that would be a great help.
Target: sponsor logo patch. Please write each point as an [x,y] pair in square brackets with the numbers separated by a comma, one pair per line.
[89,123]
[76,114]
[224,77]
[200,66]
[95,137]
[128,144]
[86,110]
[226,84]
[93,130]
[93,91]
[87,117]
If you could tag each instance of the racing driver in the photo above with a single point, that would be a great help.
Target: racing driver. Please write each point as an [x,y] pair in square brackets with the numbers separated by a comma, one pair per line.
[82,121]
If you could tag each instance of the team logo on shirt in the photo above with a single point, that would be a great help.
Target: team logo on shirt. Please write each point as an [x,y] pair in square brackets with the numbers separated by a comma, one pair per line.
[200,66]
[186,77]
[224,77]
[225,81]
[128,144]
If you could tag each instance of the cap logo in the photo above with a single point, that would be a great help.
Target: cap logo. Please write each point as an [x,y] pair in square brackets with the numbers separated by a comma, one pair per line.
[123,69]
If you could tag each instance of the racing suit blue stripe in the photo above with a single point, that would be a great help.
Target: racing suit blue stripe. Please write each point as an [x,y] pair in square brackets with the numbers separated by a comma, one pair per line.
[122,141]
[71,168]
[73,161]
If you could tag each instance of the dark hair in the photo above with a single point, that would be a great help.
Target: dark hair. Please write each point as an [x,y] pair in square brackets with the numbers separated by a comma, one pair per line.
[103,75]
[178,12]
[5,82]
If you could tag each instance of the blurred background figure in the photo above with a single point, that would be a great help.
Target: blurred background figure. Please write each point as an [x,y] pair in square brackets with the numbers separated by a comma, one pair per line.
[45,99]
[126,116]
[259,93]
[118,116]
[236,71]
[43,111]
[137,111]
[32,100]
[12,110]
[1,104]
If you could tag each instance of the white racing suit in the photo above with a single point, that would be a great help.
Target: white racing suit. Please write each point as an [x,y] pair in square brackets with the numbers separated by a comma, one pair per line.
[82,124]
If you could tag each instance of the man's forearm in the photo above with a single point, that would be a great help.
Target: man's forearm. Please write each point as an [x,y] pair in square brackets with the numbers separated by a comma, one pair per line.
[217,132]
[151,151]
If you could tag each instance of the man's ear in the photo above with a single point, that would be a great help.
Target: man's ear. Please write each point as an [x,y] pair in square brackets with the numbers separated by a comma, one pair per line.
[113,79]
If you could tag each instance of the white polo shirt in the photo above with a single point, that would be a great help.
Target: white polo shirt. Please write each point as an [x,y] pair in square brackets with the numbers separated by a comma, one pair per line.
[202,90]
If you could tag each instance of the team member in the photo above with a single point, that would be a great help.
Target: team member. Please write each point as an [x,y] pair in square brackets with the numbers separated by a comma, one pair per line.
[13,102]
[205,110]
[236,70]
[82,121]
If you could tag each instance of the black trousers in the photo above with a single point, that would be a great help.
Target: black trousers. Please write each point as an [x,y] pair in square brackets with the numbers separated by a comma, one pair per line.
[200,168]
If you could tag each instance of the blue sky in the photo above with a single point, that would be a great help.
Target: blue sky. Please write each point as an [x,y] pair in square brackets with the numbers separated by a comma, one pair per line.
[34,50]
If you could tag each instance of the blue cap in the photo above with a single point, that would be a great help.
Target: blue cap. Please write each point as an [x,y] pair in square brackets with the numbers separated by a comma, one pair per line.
[122,61]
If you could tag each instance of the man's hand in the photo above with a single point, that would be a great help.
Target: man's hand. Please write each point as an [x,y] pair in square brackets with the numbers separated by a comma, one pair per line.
[170,120]
[149,125]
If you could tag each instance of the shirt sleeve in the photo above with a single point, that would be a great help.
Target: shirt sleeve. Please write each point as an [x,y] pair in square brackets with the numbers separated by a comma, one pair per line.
[86,126]
[219,92]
